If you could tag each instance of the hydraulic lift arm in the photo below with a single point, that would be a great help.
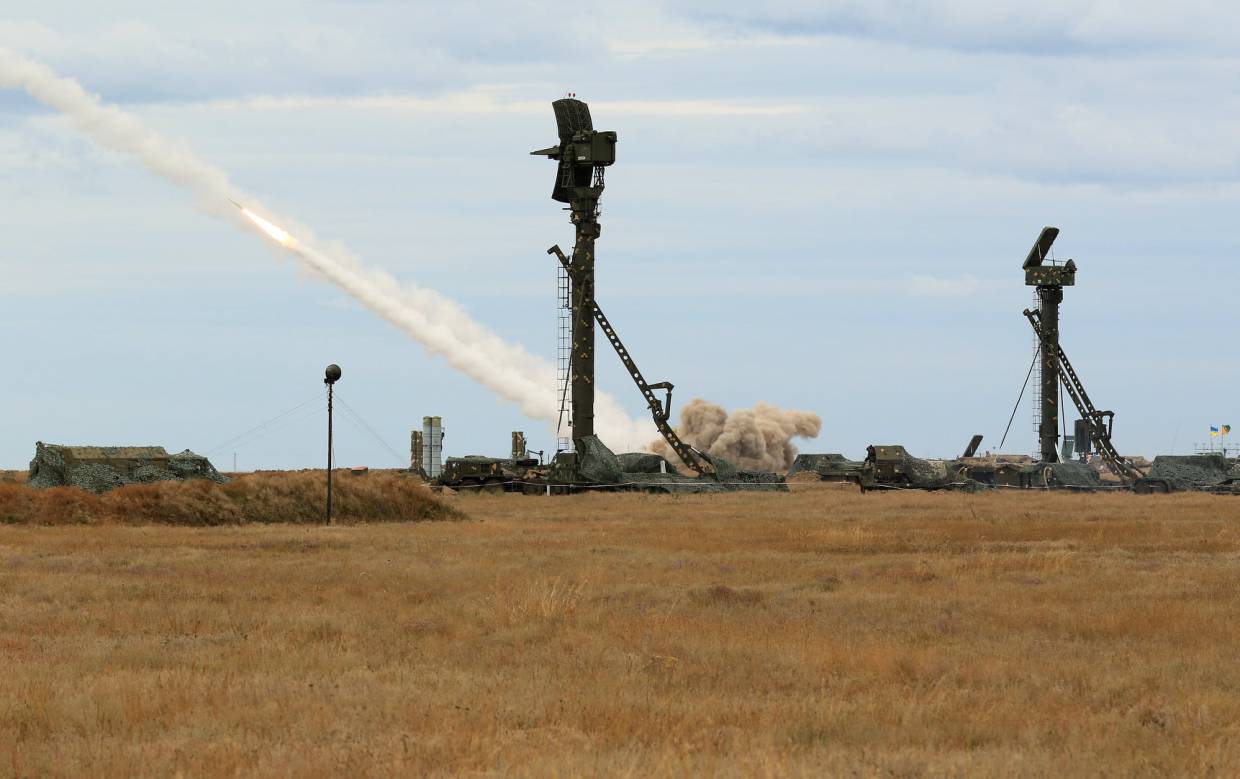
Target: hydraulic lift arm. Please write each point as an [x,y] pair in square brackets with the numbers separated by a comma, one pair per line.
[660,409]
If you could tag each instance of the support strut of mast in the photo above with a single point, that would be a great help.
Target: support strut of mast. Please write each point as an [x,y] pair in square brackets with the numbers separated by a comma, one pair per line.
[660,409]
[1100,422]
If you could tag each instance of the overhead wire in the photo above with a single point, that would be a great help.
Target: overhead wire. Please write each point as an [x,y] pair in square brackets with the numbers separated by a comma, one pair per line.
[284,424]
[353,416]
[1062,417]
[260,426]
[1020,397]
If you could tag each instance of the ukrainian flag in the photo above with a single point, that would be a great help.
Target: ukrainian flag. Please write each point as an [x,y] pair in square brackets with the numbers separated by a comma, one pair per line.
[1213,431]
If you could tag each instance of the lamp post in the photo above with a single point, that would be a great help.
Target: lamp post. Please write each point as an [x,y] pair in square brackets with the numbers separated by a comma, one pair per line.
[330,377]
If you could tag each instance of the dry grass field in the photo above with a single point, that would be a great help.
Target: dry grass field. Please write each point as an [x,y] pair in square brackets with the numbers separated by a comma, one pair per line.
[821,632]
[296,497]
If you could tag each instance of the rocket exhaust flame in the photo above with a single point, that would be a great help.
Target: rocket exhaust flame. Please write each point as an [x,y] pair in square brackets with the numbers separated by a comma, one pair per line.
[275,232]
[278,234]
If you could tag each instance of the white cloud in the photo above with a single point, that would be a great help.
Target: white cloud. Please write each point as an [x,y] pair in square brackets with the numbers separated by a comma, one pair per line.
[1048,27]
[1069,141]
[494,100]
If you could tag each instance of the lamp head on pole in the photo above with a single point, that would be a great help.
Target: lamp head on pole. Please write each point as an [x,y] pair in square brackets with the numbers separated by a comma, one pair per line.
[332,374]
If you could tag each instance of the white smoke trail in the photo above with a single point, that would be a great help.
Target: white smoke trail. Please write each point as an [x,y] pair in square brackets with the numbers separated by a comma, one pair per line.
[436,322]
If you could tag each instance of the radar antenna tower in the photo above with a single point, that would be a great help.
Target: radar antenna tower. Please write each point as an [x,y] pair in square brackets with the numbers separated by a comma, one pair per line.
[1049,280]
[583,154]
[1053,366]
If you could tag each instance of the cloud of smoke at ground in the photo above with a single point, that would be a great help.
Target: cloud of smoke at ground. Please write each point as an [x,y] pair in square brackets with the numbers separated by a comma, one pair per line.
[436,322]
[758,438]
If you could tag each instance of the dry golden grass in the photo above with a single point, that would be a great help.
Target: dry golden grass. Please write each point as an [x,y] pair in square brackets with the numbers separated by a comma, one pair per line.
[820,632]
[268,496]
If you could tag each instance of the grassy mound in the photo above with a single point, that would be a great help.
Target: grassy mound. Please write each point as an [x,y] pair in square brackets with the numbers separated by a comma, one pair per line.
[296,497]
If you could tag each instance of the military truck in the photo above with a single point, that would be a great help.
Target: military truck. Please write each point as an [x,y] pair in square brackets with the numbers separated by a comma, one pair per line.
[491,474]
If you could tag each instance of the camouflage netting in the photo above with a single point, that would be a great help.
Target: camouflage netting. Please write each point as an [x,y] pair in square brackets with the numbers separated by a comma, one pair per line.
[927,473]
[758,481]
[895,468]
[724,470]
[101,468]
[987,471]
[672,483]
[1186,472]
[822,464]
[1062,475]
[597,463]
[644,462]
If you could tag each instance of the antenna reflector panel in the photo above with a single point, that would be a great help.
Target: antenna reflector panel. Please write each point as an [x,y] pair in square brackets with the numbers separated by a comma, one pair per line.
[1041,248]
[571,116]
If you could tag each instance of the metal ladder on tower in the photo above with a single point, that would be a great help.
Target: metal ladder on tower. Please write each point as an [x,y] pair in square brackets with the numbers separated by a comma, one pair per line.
[1100,422]
[563,359]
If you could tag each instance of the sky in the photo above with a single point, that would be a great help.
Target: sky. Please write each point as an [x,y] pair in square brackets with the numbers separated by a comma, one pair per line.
[819,205]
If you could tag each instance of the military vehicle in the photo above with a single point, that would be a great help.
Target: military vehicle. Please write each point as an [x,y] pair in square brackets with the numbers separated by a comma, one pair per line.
[892,467]
[828,467]
[992,471]
[1201,472]
[889,466]
[594,467]
[1071,476]
[490,474]
[1024,473]
[1229,486]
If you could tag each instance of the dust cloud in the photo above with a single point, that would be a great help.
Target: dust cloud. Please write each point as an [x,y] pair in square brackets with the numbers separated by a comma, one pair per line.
[758,438]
